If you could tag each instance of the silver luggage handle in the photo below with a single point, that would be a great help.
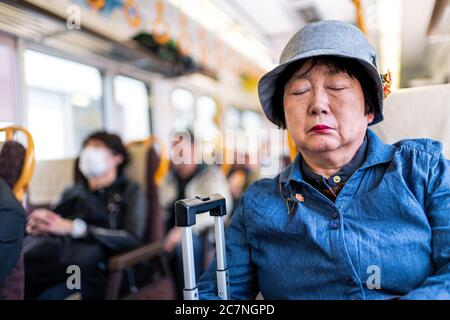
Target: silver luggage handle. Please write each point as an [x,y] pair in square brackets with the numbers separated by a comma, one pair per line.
[185,212]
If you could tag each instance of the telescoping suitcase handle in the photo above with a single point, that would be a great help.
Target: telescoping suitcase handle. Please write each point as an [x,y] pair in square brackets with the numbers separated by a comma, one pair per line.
[185,212]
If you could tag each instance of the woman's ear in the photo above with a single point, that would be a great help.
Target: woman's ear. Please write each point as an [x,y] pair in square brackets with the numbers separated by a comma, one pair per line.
[370,117]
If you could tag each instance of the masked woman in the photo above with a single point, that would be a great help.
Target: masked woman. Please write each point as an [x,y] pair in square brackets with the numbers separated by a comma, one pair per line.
[103,214]
[351,217]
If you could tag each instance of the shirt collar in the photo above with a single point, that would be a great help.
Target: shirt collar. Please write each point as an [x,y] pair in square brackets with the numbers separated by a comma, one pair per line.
[377,153]
[343,174]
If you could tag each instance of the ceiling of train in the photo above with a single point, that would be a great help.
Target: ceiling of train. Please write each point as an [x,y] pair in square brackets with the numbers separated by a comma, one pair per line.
[272,22]
[275,20]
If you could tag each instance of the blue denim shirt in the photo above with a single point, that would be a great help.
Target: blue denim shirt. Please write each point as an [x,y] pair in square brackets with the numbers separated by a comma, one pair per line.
[386,236]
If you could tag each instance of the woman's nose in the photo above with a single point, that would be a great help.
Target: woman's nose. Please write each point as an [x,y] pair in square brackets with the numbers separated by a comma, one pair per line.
[319,103]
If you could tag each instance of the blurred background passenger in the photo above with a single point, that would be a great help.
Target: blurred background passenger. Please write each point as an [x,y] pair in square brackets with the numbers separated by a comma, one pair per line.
[104,213]
[239,178]
[185,180]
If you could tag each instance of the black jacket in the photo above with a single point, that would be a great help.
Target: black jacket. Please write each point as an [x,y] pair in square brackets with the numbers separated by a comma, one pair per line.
[12,229]
[116,216]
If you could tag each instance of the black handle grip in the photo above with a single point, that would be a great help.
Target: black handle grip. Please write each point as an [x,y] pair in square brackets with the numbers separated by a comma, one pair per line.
[186,209]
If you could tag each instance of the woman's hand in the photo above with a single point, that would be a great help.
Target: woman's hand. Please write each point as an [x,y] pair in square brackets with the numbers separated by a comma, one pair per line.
[172,239]
[43,221]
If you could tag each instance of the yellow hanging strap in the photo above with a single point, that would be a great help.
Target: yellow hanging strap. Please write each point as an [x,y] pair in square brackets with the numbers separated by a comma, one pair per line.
[218,51]
[203,46]
[360,22]
[29,161]
[160,28]
[132,14]
[386,78]
[96,4]
[292,147]
[219,143]
[226,166]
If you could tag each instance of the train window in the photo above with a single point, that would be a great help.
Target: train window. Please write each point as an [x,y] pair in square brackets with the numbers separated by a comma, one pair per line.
[182,102]
[131,97]
[206,126]
[251,120]
[64,104]
[206,114]
[7,81]
[248,122]
[252,123]
[232,118]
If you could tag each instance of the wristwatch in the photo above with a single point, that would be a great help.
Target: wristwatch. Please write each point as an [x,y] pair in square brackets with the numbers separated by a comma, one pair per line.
[79,228]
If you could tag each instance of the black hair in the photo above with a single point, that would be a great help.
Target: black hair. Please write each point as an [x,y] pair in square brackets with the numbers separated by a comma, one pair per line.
[335,64]
[112,142]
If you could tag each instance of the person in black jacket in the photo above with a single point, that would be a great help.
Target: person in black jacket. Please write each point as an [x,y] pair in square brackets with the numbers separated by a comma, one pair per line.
[12,229]
[103,214]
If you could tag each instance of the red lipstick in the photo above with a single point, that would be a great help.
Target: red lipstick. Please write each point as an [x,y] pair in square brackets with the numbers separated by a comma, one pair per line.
[320,128]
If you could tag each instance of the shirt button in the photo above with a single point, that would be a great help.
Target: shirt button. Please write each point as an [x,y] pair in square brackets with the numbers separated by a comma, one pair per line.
[334,225]
[335,215]
[336,179]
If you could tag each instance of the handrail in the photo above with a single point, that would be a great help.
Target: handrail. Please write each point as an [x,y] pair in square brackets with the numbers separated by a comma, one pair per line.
[436,16]
[128,259]
[160,27]
[360,22]
[292,148]
[28,164]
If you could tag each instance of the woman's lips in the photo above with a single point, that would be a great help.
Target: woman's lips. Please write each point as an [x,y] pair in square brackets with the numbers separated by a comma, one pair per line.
[320,128]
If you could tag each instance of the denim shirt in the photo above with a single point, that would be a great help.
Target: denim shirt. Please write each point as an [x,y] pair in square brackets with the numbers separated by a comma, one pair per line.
[386,236]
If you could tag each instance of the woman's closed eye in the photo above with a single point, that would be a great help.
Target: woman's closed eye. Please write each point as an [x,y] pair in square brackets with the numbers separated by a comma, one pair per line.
[337,85]
[337,88]
[300,91]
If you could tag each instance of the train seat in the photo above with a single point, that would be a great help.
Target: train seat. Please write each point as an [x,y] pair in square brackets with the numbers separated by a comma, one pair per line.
[422,112]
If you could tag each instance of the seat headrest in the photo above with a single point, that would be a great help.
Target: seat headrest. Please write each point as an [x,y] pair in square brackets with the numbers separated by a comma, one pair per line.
[12,156]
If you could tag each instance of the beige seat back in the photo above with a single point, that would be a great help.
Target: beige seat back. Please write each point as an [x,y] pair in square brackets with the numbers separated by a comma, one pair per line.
[136,170]
[417,113]
[50,179]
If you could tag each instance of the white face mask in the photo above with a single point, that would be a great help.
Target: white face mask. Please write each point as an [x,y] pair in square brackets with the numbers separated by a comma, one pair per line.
[94,162]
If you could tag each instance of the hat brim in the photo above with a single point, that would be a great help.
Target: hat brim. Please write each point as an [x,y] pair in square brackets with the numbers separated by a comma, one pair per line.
[267,84]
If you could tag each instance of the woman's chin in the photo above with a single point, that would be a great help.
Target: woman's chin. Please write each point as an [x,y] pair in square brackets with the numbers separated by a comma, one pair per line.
[323,144]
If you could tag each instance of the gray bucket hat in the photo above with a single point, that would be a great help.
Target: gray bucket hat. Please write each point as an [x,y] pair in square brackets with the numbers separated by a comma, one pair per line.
[328,37]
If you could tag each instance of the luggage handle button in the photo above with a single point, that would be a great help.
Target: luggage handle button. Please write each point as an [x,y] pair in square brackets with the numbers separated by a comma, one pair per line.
[203,198]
